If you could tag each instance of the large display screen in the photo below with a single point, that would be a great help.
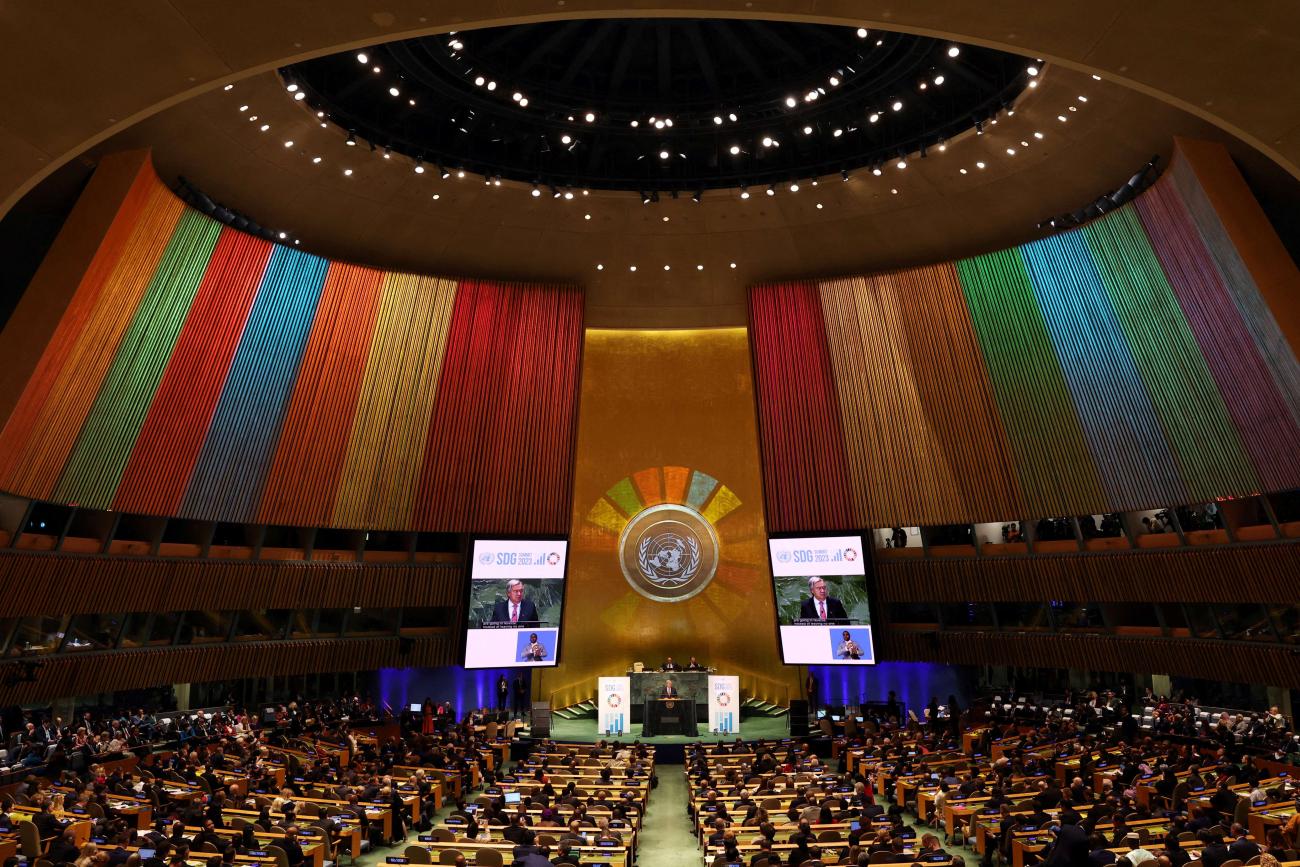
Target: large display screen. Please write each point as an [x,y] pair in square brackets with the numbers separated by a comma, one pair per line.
[823,608]
[516,600]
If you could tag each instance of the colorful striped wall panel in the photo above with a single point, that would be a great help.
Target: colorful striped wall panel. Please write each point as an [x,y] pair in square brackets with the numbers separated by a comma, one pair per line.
[1128,364]
[204,373]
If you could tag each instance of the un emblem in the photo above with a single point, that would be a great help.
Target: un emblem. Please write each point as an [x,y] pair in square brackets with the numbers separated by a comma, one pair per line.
[668,552]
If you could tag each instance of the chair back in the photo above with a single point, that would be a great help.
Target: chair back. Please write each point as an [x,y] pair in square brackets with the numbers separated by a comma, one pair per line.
[29,839]
[448,856]
[489,858]
[418,855]
[440,835]
[281,857]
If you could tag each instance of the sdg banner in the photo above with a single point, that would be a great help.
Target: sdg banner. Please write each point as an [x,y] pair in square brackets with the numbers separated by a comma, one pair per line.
[724,703]
[615,703]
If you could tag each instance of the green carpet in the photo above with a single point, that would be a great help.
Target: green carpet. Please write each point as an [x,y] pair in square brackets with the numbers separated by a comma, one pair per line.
[584,731]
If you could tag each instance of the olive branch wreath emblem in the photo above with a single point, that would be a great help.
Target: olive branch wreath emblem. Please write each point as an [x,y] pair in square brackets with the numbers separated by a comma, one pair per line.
[653,576]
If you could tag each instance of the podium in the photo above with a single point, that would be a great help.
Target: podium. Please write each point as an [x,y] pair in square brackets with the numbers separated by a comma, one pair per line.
[670,716]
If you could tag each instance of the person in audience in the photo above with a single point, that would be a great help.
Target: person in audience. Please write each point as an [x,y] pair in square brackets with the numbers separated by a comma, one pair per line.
[694,665]
[669,665]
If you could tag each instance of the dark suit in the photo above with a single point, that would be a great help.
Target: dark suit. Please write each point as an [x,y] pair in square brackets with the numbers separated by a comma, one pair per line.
[501,612]
[1070,849]
[834,610]
[669,692]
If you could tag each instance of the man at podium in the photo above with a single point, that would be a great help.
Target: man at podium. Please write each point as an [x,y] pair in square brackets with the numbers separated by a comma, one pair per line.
[668,691]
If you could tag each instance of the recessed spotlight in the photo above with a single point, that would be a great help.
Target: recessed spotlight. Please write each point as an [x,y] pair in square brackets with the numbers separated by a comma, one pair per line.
[862,33]
[1096,78]
[1033,70]
[460,173]
[1033,83]
[938,80]
[979,165]
[794,187]
[228,87]
[902,164]
[1083,98]
[733,264]
[293,88]
[376,70]
[352,140]
[877,171]
[299,96]
[837,132]
[665,219]
[744,193]
[565,139]
[586,216]
[347,173]
[894,190]
[362,58]
[923,85]
[835,82]
[663,155]
[652,119]
[963,171]
[589,117]
[536,193]
[635,124]
[1062,118]
[807,130]
[243,108]
[631,267]
[600,267]
[659,124]
[668,267]
[874,116]
[393,91]
[791,102]
[767,141]
[586,192]
[265,127]
[897,106]
[455,45]
[283,235]
[1074,108]
[732,117]
[735,149]
[953,51]
[699,267]
[668,121]
[819,206]
[771,189]
[437,196]
[419,167]
[1011,152]
[717,120]
[480,81]
[316,160]
[1038,135]
[491,85]
[523,103]
[289,143]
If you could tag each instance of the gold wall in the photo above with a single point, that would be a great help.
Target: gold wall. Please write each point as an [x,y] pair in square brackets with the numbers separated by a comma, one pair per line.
[667,416]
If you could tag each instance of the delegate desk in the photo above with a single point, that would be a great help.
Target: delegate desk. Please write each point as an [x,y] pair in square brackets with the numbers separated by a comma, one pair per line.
[670,716]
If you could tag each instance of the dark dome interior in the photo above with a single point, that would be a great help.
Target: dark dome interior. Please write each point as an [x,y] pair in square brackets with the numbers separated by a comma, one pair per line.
[674,105]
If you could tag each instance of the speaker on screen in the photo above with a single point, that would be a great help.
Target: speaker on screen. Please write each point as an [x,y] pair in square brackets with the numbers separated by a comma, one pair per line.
[798,718]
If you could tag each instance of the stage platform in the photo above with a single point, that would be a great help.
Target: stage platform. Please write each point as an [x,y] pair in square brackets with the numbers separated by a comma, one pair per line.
[584,731]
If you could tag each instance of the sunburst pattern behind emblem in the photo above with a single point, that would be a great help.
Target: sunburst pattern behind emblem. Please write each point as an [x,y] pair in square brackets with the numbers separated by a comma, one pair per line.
[664,519]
